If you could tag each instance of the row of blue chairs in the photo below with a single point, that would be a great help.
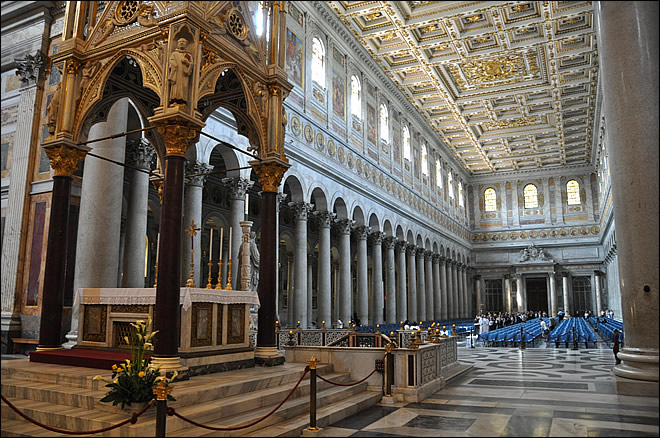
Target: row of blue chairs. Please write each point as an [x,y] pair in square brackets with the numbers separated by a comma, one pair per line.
[606,329]
[531,329]
[572,330]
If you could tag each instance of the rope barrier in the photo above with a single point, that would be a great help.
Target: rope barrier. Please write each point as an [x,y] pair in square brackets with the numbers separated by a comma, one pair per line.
[354,383]
[132,420]
[172,412]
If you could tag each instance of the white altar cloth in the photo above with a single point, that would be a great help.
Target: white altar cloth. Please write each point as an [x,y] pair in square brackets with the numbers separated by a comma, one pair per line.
[137,296]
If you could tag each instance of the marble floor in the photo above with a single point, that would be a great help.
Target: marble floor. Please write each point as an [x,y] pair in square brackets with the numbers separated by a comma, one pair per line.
[513,392]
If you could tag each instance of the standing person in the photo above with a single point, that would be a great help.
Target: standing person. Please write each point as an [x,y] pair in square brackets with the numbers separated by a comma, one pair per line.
[544,328]
[615,346]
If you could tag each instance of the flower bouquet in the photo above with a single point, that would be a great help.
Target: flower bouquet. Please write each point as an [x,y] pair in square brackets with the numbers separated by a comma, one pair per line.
[133,381]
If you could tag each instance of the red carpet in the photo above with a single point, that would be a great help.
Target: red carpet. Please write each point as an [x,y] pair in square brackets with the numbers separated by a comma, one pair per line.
[81,357]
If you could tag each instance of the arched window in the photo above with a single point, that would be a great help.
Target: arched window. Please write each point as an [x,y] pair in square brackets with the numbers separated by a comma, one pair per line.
[531,196]
[490,199]
[450,185]
[384,123]
[573,192]
[356,97]
[405,134]
[438,174]
[461,200]
[318,62]
[425,160]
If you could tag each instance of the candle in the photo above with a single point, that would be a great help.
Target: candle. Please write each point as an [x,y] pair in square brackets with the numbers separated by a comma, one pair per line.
[211,245]
[157,247]
[222,230]
[229,252]
[247,205]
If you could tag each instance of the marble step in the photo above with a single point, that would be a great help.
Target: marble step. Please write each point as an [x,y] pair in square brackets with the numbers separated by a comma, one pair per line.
[78,377]
[102,415]
[196,390]
[325,415]
[294,410]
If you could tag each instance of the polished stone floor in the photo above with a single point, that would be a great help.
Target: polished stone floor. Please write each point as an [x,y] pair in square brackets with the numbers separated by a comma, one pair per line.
[513,392]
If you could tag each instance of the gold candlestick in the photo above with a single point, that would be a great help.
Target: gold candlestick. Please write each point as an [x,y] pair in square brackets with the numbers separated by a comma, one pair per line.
[156,276]
[191,280]
[208,285]
[228,287]
[219,285]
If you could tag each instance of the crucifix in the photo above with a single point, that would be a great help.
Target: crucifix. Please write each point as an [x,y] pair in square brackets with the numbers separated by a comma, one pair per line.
[192,231]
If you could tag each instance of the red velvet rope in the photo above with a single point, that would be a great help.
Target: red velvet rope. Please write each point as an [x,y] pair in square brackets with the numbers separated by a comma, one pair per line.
[132,420]
[171,411]
[354,383]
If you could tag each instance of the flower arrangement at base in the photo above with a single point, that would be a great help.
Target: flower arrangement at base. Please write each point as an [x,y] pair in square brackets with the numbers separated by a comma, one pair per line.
[133,381]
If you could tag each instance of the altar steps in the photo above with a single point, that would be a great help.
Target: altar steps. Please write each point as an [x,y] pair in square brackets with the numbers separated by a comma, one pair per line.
[68,398]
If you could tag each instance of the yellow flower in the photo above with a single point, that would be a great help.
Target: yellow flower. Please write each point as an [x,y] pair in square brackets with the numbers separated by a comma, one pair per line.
[114,366]
[141,374]
[120,370]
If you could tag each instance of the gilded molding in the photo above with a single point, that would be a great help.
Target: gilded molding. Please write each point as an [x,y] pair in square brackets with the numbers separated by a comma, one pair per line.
[270,174]
[64,160]
[178,138]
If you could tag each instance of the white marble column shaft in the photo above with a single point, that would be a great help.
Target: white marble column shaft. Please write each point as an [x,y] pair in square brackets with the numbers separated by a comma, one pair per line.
[301,210]
[237,189]
[477,290]
[310,293]
[401,296]
[377,257]
[324,281]
[553,295]
[390,276]
[345,280]
[598,291]
[421,284]
[519,293]
[451,312]
[507,288]
[429,285]
[437,288]
[361,233]
[466,294]
[412,283]
[444,307]
[192,212]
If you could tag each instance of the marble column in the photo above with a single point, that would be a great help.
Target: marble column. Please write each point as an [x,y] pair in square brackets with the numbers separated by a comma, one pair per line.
[421,284]
[345,279]
[466,294]
[238,187]
[565,287]
[428,257]
[477,291]
[437,288]
[444,308]
[628,39]
[412,283]
[507,291]
[361,233]
[455,294]
[390,281]
[291,320]
[140,154]
[519,293]
[598,291]
[301,210]
[451,312]
[553,295]
[460,287]
[310,294]
[401,296]
[324,270]
[99,221]
[192,212]
[30,72]
[377,257]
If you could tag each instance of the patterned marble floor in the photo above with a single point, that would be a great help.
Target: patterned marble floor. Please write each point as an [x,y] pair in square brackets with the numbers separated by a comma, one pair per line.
[512,392]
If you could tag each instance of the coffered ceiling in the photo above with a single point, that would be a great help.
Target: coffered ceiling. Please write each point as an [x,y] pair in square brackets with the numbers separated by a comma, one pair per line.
[507,85]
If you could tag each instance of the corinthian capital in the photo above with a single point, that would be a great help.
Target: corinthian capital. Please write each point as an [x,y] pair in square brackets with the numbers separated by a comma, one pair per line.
[197,172]
[140,153]
[301,210]
[324,218]
[361,232]
[344,226]
[29,70]
[389,242]
[237,187]
[377,237]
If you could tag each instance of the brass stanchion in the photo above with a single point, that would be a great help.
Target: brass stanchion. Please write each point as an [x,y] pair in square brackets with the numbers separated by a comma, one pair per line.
[228,287]
[312,394]
[219,285]
[161,392]
[208,285]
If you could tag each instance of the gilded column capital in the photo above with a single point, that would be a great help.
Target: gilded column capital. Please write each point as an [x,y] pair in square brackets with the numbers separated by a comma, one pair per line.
[178,136]
[64,159]
[270,173]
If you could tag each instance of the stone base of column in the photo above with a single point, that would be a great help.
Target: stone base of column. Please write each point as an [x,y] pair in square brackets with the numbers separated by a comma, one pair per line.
[168,364]
[388,400]
[268,356]
[638,372]
[72,340]
[317,431]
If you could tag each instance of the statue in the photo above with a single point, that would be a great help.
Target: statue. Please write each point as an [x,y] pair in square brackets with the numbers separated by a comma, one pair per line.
[54,109]
[254,261]
[180,69]
[524,254]
[532,252]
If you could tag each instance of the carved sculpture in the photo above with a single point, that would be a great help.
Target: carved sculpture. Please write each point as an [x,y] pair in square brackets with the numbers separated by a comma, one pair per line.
[53,109]
[180,69]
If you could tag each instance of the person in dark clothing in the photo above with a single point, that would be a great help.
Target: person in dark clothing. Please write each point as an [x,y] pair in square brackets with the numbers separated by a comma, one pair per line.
[615,346]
